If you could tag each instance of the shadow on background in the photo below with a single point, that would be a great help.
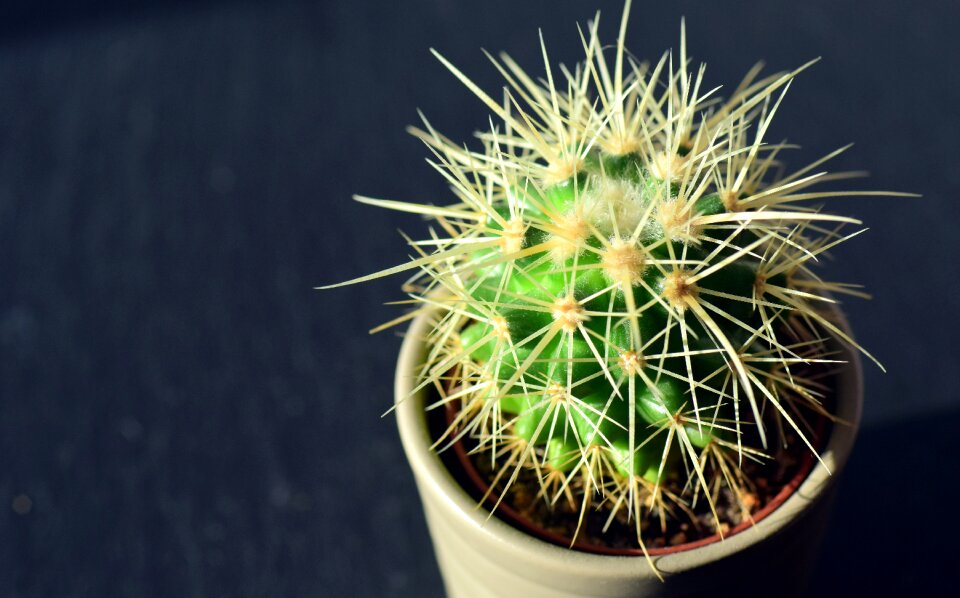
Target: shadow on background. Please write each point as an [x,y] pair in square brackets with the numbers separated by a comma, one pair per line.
[896,505]
[19,20]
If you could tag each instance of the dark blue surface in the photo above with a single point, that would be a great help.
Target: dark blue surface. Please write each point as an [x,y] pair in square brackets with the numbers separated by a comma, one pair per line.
[182,415]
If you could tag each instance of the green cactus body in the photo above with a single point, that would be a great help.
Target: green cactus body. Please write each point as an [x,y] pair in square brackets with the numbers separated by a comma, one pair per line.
[567,376]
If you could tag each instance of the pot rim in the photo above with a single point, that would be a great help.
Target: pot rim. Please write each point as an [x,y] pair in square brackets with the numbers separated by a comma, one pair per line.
[432,475]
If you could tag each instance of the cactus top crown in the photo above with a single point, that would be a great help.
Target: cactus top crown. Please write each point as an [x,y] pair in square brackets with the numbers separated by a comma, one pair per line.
[622,290]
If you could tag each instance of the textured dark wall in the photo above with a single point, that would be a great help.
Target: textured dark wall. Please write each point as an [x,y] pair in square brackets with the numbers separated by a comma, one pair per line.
[181,415]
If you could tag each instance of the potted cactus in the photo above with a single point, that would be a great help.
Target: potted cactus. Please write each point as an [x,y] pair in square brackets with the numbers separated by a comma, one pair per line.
[618,317]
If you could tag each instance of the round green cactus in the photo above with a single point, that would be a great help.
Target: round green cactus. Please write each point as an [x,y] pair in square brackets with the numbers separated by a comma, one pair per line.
[622,290]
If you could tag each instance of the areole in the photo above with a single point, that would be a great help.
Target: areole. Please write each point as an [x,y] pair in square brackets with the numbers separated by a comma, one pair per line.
[480,555]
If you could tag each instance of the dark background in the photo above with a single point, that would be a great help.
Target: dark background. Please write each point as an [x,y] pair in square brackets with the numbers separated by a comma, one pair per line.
[182,415]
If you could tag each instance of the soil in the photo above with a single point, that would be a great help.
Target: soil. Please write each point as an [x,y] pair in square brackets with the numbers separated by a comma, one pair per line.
[560,520]
[522,508]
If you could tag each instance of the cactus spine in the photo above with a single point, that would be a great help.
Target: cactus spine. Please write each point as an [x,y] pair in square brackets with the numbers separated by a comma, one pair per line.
[622,290]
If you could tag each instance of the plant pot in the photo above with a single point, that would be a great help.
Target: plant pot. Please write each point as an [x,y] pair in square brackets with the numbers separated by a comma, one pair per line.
[481,556]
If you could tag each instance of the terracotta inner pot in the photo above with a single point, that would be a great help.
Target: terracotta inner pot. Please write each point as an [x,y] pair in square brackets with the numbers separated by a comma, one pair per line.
[506,512]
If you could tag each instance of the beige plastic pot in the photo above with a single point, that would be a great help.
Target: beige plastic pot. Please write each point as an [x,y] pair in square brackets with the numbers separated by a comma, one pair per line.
[481,556]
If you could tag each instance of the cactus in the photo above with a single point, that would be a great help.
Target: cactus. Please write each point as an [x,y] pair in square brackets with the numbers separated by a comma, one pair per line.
[622,291]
